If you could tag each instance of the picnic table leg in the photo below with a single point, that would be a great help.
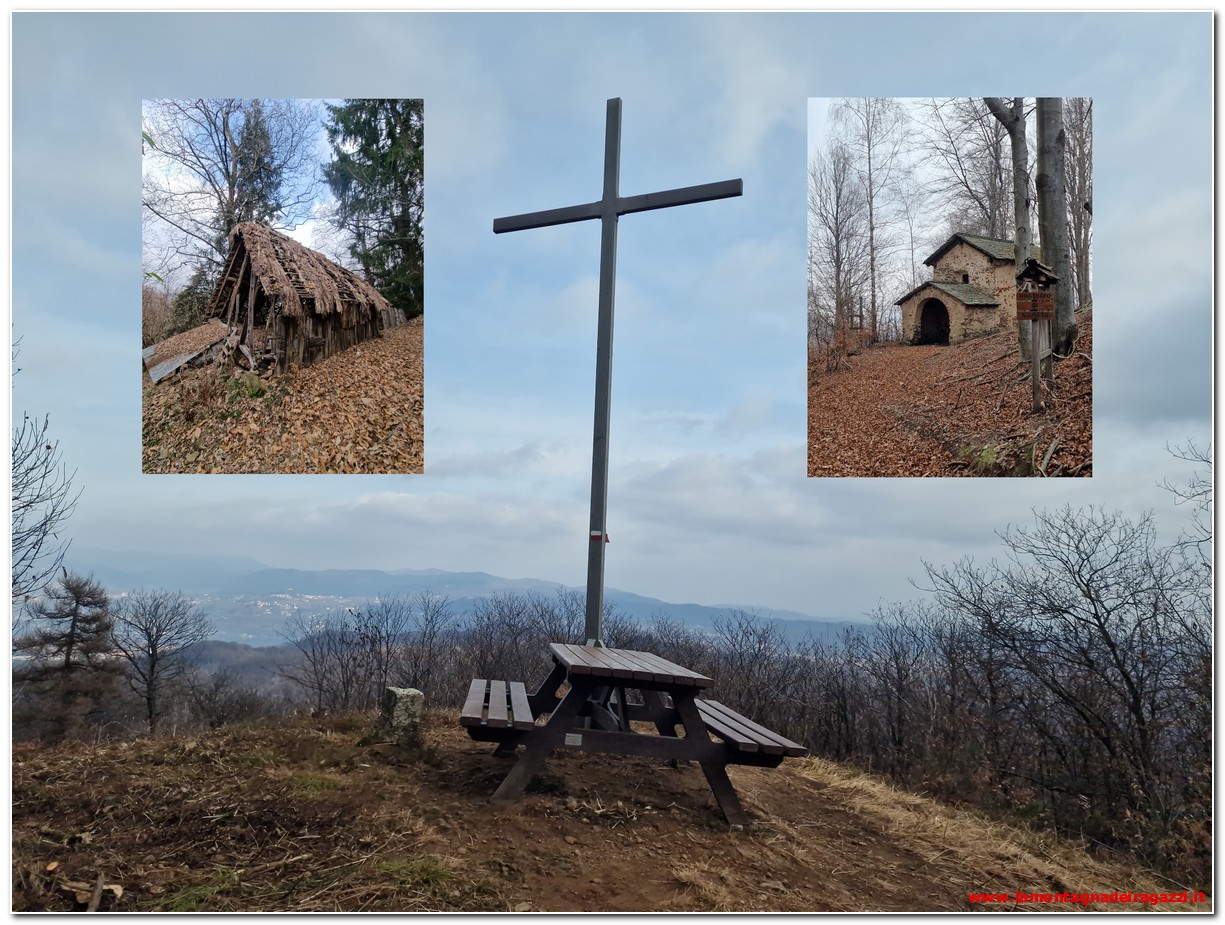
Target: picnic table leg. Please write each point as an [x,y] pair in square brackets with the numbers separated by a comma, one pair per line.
[537,746]
[714,765]
[659,711]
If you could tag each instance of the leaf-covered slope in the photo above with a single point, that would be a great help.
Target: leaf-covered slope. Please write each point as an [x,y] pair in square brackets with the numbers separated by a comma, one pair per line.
[360,410]
[961,410]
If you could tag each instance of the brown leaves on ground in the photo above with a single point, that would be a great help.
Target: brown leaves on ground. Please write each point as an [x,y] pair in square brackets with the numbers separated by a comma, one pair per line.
[961,410]
[358,411]
[299,815]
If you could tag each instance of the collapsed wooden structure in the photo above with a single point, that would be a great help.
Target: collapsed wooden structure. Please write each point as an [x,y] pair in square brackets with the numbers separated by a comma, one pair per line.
[283,304]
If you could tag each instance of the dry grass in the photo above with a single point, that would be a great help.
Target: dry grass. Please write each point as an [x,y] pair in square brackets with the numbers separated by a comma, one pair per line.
[998,856]
[302,815]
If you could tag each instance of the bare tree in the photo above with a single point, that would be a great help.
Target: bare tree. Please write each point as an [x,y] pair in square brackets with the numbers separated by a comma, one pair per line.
[221,161]
[333,666]
[154,632]
[1197,494]
[1012,118]
[875,137]
[965,154]
[220,697]
[1078,128]
[1053,218]
[1088,607]
[837,247]
[43,500]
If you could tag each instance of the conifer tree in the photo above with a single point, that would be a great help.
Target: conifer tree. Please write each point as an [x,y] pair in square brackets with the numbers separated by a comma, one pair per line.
[67,667]
[377,176]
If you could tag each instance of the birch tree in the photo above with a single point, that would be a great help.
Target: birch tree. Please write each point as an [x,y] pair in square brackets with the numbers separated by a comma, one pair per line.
[875,138]
[838,245]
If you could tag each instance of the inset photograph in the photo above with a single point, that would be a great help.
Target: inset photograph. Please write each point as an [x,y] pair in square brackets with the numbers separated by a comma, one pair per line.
[283,286]
[950,301]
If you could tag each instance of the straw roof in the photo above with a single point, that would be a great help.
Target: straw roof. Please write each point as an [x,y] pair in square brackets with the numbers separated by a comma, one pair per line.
[303,279]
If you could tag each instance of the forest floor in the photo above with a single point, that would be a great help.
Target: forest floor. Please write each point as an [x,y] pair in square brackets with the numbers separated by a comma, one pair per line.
[360,410]
[301,815]
[962,410]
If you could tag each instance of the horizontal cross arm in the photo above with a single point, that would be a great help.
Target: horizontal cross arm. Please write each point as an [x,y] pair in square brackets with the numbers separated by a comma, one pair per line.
[561,216]
[724,189]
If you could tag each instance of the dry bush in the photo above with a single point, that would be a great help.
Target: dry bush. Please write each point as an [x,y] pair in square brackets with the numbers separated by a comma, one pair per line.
[155,314]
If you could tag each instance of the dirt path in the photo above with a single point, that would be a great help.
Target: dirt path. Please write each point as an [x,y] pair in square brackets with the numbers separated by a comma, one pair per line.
[360,410]
[962,410]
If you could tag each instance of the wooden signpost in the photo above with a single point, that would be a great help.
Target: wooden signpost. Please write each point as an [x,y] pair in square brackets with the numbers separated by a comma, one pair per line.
[1036,304]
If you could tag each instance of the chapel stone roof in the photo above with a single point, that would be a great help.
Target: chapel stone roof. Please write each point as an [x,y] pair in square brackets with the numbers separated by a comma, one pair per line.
[995,248]
[965,293]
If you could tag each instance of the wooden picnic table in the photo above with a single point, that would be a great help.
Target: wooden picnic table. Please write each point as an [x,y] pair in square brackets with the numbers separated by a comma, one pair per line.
[583,705]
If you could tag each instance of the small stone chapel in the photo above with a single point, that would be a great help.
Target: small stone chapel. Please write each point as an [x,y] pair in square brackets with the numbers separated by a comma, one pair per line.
[973,291]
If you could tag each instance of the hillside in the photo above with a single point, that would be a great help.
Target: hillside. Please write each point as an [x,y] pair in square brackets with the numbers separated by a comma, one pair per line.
[359,410]
[298,816]
[962,410]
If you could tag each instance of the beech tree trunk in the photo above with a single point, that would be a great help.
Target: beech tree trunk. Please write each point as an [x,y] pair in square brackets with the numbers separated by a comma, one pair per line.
[1053,219]
[1013,119]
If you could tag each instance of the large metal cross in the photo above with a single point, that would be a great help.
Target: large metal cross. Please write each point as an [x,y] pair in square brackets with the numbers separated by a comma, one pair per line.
[607,210]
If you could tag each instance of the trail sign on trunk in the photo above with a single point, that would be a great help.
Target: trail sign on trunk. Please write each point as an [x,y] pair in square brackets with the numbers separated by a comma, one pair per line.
[608,209]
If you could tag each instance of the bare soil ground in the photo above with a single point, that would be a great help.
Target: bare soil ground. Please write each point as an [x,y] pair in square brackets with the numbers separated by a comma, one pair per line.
[300,815]
[962,410]
[358,411]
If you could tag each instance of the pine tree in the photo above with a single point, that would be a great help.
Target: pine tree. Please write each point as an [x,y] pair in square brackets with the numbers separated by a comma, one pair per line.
[377,176]
[68,669]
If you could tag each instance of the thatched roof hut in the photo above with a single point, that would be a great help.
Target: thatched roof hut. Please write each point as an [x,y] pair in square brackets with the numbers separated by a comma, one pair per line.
[284,303]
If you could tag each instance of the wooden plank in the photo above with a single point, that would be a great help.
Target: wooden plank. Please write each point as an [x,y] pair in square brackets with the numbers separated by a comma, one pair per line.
[645,669]
[723,720]
[729,733]
[789,748]
[497,715]
[621,667]
[575,658]
[1035,306]
[521,711]
[624,664]
[474,706]
[676,673]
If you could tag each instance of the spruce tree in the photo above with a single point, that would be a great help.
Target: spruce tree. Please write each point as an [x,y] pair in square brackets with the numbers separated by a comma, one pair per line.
[377,176]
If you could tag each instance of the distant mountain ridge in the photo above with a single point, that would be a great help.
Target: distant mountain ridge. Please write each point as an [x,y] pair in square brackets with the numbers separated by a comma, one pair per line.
[249,604]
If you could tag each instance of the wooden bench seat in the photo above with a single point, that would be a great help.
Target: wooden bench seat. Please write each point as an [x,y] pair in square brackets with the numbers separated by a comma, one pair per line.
[497,705]
[747,742]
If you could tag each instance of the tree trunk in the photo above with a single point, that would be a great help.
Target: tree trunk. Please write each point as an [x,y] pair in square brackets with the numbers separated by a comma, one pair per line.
[1013,120]
[1053,219]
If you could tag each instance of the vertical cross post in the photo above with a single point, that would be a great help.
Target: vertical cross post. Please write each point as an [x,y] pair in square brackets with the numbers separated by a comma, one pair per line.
[608,209]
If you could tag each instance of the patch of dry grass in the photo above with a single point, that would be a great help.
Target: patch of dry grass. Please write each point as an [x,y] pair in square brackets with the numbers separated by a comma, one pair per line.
[994,856]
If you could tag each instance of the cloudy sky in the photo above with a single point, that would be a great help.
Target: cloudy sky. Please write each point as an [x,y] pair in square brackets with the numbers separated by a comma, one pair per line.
[708,499]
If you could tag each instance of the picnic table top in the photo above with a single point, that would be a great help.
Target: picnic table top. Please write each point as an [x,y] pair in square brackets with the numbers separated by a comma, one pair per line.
[624,665]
